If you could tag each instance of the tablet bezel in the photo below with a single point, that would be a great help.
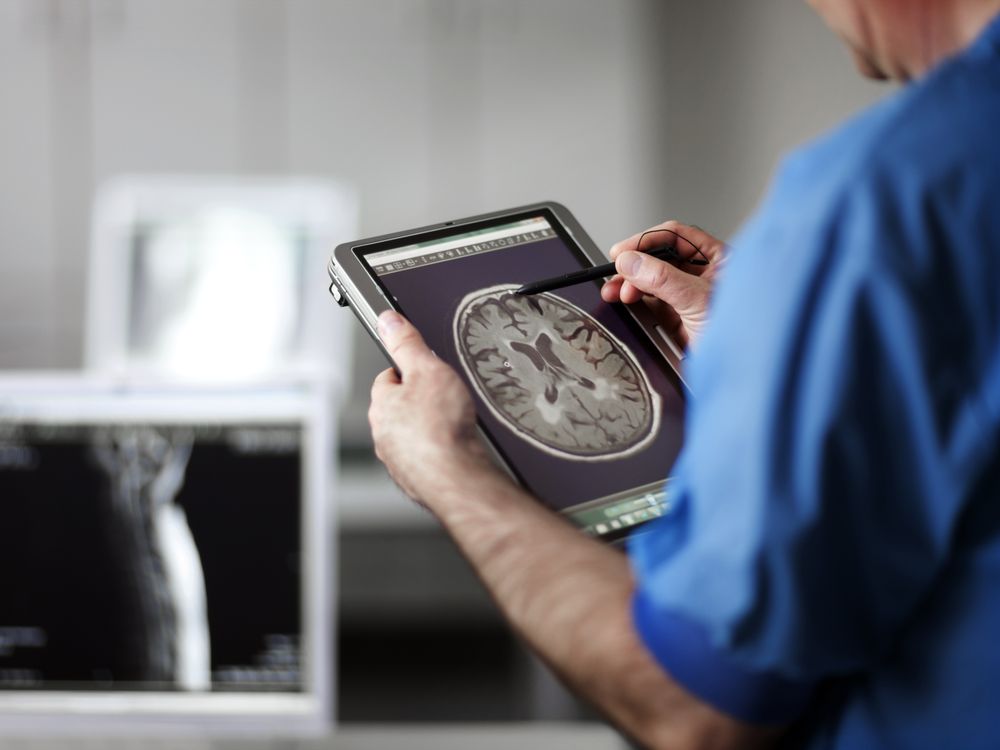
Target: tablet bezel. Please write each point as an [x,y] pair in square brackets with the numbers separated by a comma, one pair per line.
[354,284]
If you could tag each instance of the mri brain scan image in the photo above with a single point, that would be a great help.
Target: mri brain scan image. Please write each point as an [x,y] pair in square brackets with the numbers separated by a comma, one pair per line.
[555,375]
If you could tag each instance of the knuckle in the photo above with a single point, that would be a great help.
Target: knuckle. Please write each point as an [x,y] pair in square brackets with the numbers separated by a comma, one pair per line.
[402,344]
[419,367]
[406,339]
[415,351]
[435,364]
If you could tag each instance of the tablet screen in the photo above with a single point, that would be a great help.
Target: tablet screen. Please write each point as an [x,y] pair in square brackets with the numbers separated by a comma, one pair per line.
[570,390]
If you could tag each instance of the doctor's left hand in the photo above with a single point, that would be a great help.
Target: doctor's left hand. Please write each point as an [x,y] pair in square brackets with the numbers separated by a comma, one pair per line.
[423,420]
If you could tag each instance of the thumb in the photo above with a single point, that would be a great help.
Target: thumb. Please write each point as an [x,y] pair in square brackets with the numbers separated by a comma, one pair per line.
[403,342]
[655,277]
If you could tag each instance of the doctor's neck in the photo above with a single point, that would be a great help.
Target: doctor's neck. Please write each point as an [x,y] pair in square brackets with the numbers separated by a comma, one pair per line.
[903,39]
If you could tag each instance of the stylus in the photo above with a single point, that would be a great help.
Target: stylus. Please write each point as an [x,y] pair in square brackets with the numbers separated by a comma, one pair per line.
[599,272]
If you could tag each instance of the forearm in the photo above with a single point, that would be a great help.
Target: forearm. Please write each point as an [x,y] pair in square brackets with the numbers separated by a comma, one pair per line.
[570,598]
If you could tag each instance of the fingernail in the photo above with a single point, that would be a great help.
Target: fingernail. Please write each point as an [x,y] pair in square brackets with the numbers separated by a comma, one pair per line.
[628,263]
[389,322]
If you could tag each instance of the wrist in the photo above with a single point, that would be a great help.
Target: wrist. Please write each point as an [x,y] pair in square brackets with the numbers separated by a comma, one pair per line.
[469,482]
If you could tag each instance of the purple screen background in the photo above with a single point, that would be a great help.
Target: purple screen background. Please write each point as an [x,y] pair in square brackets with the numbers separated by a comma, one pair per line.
[429,296]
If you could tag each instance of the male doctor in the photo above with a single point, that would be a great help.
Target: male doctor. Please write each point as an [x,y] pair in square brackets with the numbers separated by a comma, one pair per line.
[830,576]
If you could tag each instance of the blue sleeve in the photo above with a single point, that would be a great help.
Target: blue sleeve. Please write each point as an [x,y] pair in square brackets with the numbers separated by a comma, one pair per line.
[819,482]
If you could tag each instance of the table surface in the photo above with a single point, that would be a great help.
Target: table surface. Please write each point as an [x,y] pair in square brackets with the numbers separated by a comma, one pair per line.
[508,736]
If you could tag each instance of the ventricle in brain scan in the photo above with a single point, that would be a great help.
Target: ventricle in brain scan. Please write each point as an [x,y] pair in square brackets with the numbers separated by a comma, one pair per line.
[555,375]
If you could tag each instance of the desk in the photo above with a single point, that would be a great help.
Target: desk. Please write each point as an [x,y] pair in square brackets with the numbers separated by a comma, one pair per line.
[508,736]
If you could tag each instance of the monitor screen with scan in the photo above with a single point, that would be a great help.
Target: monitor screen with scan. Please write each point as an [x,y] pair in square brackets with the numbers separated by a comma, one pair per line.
[160,547]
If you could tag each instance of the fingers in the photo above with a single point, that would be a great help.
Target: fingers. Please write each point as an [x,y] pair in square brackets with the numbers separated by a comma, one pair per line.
[381,391]
[403,342]
[643,241]
[611,291]
[618,289]
[630,293]
[383,381]
[642,274]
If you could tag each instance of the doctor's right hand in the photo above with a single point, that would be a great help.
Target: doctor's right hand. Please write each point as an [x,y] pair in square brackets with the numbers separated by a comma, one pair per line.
[678,294]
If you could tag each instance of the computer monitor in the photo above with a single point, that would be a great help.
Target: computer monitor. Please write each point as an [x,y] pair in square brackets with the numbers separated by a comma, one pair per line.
[201,278]
[165,558]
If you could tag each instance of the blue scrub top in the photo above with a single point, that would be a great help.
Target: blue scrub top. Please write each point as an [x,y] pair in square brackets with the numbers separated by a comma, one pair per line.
[833,553]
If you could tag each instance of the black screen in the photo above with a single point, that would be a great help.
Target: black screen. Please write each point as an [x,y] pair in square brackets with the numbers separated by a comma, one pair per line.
[150,557]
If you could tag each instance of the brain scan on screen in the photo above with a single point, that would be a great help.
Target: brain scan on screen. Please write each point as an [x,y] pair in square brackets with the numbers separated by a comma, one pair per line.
[554,375]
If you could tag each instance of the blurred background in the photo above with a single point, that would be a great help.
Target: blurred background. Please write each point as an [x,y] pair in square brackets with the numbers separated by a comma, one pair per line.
[179,171]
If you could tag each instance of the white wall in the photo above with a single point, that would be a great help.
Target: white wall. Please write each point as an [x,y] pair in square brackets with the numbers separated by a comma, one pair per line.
[628,111]
[735,85]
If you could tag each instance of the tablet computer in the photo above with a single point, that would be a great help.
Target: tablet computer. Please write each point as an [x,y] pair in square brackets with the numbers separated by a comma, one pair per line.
[582,401]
